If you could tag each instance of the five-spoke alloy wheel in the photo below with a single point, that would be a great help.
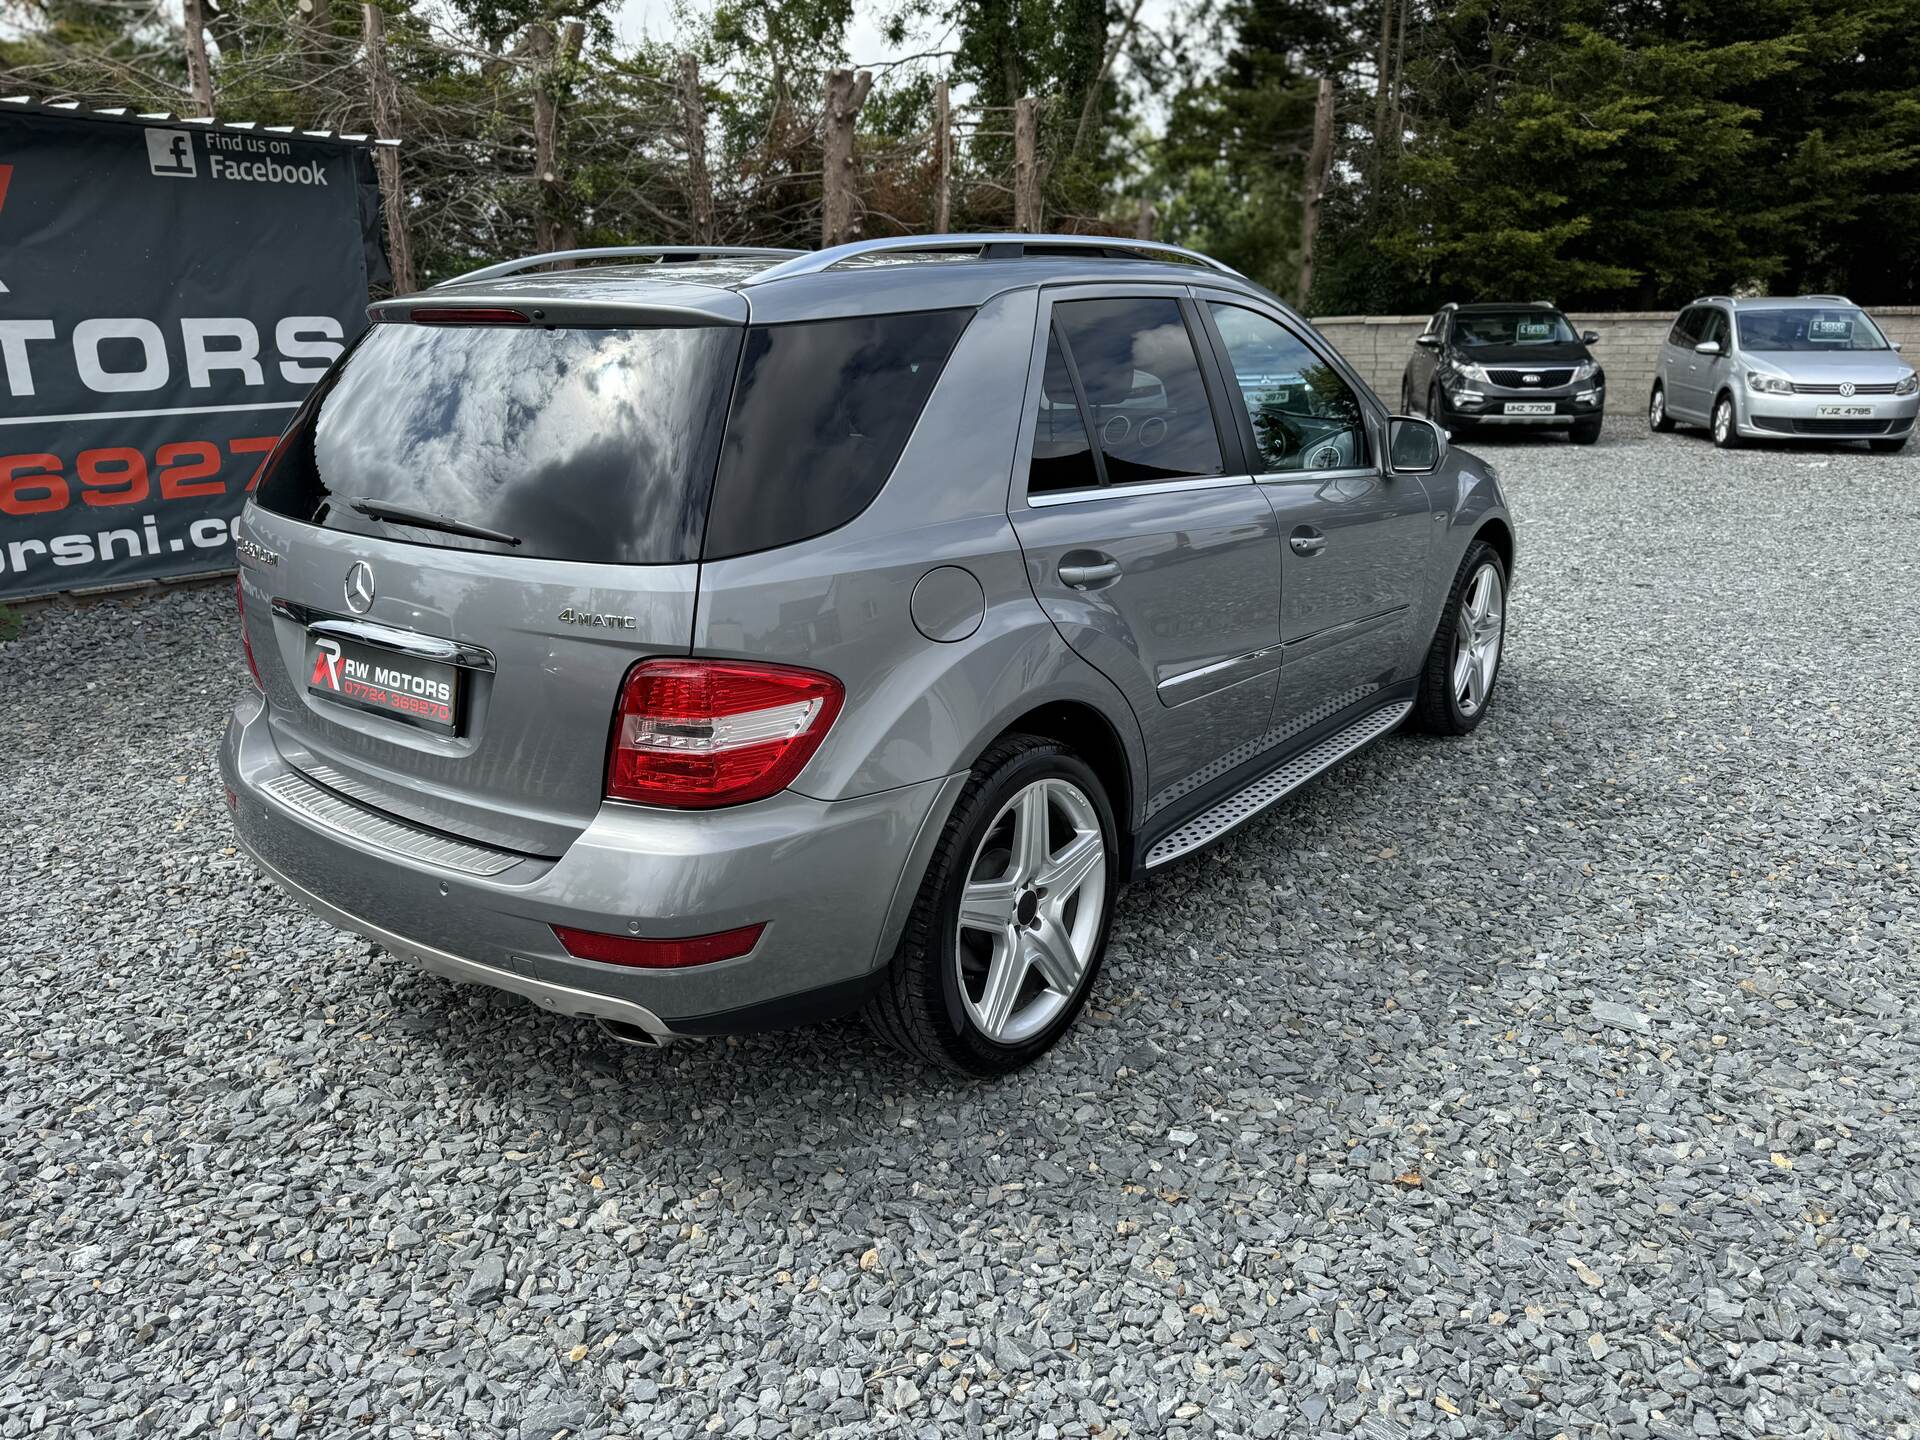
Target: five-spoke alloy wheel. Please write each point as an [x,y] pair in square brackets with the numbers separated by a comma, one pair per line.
[1007,933]
[1476,638]
[1030,912]
[1463,662]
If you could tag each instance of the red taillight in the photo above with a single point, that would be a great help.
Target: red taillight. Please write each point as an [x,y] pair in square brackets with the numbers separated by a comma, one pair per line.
[699,733]
[466,315]
[246,643]
[658,954]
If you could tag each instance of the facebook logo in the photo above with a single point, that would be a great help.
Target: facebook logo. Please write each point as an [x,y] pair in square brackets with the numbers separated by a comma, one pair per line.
[170,152]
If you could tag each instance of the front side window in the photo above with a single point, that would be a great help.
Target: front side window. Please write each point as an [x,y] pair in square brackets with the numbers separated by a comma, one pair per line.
[1501,328]
[1810,329]
[821,412]
[1144,394]
[1305,416]
[1686,330]
[1714,329]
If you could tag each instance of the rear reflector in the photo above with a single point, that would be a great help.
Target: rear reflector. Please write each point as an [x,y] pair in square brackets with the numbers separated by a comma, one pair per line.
[658,954]
[468,315]
[695,734]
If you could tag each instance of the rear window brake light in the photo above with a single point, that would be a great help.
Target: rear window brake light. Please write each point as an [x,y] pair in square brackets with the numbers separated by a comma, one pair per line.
[466,315]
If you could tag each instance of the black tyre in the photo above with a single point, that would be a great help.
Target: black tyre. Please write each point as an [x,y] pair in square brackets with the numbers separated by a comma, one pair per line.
[1438,413]
[1658,420]
[1725,424]
[1463,663]
[1010,926]
[1888,447]
[1585,432]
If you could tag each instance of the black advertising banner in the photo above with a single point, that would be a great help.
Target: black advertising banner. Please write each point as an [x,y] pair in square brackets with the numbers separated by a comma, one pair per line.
[168,294]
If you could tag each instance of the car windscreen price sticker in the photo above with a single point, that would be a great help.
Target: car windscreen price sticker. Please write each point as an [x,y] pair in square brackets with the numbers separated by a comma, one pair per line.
[1835,328]
[1534,330]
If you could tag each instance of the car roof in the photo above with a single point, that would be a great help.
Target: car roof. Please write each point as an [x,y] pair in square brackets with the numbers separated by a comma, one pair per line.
[718,285]
[1771,302]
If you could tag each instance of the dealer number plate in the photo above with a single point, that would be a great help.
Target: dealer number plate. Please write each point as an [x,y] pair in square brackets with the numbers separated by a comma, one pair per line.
[417,692]
[1529,407]
[1844,412]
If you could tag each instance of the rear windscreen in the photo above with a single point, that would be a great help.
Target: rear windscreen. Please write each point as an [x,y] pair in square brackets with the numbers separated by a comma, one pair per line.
[595,445]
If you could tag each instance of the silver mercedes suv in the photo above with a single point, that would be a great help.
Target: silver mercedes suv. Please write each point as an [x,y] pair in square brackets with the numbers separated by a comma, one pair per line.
[715,640]
[1814,367]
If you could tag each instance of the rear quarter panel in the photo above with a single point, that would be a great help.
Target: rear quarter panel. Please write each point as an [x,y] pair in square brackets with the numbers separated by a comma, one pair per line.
[918,708]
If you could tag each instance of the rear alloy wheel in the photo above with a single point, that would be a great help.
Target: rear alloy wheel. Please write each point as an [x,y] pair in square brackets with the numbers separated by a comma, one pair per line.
[1463,663]
[1658,420]
[1010,925]
[1726,429]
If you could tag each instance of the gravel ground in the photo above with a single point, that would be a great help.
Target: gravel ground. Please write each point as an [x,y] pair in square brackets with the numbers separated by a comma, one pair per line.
[1558,1080]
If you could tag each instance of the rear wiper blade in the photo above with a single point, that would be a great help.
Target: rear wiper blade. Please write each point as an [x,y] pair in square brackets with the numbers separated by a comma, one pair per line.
[427,520]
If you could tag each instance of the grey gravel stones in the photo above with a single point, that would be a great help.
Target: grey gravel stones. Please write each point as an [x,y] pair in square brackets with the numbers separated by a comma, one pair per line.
[1561,1080]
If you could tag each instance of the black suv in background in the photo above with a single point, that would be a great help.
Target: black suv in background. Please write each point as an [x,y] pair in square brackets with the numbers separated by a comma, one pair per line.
[1520,365]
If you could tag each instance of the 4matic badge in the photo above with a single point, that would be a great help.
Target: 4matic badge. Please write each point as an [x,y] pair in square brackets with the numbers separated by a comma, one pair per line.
[571,616]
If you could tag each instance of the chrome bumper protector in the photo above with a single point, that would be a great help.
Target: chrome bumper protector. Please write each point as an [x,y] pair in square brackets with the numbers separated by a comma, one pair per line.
[561,999]
[320,806]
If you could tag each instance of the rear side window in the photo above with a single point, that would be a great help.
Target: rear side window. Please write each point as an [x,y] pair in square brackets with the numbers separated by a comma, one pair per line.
[1062,454]
[595,445]
[1686,330]
[821,412]
[1144,393]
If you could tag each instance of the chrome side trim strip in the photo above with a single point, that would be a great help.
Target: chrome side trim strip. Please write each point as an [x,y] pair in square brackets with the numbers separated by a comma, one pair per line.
[1120,492]
[1275,785]
[1178,689]
[321,807]
[1295,651]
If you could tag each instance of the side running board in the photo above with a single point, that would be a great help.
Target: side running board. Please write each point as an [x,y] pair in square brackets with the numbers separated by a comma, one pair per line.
[1275,785]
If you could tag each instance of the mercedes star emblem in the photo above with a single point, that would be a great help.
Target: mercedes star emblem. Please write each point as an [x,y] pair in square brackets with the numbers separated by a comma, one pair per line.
[360,587]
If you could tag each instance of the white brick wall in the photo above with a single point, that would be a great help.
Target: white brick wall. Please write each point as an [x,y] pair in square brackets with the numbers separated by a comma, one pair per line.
[1378,346]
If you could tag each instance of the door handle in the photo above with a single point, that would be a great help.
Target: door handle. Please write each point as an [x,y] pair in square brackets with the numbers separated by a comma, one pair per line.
[1082,577]
[1307,541]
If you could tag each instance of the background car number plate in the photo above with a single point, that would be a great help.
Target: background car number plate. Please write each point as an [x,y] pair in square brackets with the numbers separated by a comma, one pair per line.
[1845,412]
[1529,407]
[416,692]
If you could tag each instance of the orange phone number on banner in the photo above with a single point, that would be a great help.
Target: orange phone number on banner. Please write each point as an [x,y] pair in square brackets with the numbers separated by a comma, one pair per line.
[39,484]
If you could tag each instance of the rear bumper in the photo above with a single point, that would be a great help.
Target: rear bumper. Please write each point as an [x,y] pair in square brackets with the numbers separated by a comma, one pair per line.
[830,880]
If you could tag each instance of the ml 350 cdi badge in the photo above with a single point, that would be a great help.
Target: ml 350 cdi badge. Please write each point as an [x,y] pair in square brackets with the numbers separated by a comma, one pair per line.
[714,640]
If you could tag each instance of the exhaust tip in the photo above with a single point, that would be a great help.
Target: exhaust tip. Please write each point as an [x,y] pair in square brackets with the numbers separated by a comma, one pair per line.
[628,1034]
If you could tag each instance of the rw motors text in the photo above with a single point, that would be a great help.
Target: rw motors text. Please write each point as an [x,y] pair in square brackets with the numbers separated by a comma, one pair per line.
[129,355]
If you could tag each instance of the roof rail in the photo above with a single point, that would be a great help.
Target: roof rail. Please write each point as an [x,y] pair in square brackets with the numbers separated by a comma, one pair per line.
[1708,299]
[985,246]
[627,252]
[1836,299]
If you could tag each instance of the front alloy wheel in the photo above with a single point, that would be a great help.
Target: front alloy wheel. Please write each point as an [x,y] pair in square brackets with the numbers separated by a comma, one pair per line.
[1726,429]
[1030,914]
[1463,662]
[1476,639]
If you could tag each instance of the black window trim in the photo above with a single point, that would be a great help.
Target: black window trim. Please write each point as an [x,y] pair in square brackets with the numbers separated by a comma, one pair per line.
[1233,454]
[1373,421]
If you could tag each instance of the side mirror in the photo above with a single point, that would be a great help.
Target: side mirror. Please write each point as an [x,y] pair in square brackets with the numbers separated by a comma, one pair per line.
[1894,343]
[1428,341]
[1707,347]
[1415,444]
[1589,337]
